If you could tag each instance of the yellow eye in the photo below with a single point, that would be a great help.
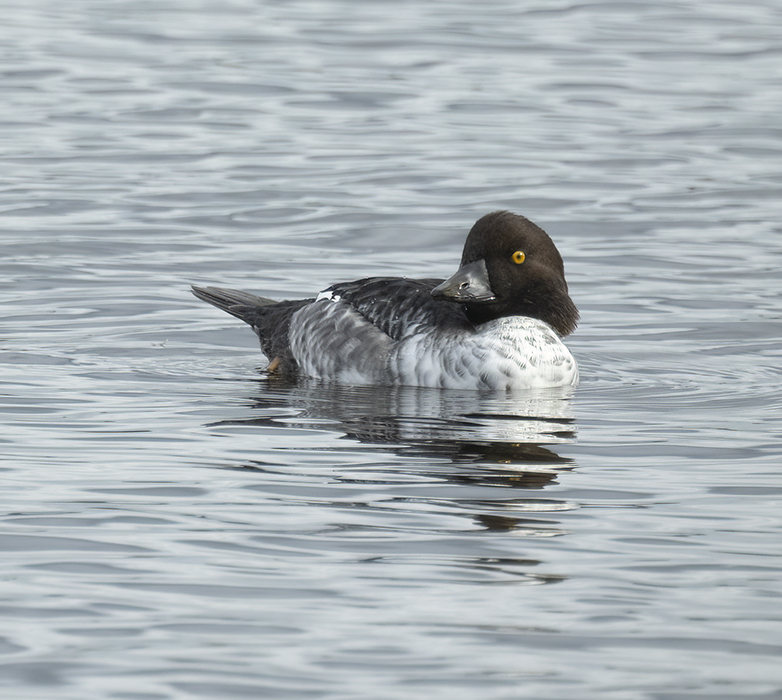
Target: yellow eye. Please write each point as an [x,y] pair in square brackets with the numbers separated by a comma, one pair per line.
[518,257]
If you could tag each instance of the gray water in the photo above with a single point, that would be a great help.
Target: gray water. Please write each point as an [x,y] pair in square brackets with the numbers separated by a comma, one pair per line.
[177,525]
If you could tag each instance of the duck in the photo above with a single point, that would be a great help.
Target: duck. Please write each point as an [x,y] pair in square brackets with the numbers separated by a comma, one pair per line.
[496,324]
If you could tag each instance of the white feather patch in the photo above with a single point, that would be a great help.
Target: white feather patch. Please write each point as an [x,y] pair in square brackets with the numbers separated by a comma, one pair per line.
[328,295]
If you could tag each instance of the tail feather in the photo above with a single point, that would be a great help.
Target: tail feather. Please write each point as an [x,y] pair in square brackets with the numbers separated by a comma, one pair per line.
[232,301]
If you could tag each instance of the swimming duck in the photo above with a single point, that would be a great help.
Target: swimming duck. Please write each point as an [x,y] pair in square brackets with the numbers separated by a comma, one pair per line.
[497,323]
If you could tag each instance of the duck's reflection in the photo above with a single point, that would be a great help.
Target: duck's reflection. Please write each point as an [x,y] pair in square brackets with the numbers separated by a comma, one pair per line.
[510,438]
[481,457]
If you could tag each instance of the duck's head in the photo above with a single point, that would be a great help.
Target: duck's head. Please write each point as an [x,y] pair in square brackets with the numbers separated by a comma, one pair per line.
[510,267]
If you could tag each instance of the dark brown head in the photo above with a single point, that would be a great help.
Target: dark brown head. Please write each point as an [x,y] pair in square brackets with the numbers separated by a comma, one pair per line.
[510,267]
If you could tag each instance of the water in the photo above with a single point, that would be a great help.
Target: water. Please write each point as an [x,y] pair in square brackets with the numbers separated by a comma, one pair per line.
[178,525]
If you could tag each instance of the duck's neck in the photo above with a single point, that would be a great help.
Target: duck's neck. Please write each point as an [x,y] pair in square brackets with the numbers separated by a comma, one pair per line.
[560,313]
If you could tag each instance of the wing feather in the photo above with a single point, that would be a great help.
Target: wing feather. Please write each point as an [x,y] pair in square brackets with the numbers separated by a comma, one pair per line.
[400,306]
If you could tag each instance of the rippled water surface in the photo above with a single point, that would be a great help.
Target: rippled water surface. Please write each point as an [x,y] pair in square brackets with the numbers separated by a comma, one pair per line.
[176,524]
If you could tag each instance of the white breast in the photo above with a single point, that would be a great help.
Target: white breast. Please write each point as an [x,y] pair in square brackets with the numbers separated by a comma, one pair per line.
[515,352]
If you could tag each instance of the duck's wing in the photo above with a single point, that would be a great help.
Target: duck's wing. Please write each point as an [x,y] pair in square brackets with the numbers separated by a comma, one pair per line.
[349,333]
[399,306]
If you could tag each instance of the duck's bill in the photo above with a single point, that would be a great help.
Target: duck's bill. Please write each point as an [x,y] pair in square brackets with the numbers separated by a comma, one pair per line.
[469,284]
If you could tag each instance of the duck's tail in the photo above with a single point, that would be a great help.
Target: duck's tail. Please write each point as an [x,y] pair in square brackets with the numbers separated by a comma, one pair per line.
[237,303]
[269,319]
